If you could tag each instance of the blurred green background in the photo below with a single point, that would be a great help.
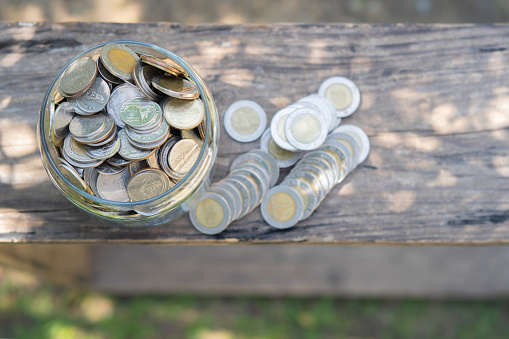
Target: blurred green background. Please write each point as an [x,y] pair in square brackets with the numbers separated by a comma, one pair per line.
[31,307]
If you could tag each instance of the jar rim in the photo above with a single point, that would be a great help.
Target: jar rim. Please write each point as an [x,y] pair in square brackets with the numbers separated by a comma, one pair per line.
[206,97]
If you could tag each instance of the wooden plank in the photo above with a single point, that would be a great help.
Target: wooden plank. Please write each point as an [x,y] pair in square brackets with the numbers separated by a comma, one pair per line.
[435,101]
[63,264]
[293,270]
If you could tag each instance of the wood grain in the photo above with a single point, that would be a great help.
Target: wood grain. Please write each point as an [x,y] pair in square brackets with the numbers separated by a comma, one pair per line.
[435,105]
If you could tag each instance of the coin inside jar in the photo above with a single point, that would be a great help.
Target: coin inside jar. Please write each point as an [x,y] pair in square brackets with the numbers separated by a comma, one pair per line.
[165,64]
[94,99]
[139,112]
[148,183]
[176,87]
[78,77]
[61,120]
[74,177]
[183,155]
[128,151]
[245,120]
[86,126]
[114,186]
[184,114]
[119,60]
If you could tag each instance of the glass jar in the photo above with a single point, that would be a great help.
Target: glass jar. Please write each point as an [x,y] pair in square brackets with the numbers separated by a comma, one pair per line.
[150,212]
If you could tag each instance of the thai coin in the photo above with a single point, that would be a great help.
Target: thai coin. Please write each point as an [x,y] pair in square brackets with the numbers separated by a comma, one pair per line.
[94,99]
[74,178]
[190,134]
[227,194]
[114,187]
[151,138]
[245,120]
[236,196]
[87,126]
[359,135]
[341,148]
[184,114]
[202,128]
[211,215]
[319,172]
[277,128]
[271,163]
[343,93]
[330,159]
[164,154]
[176,87]
[118,97]
[108,139]
[284,157]
[76,151]
[77,77]
[324,165]
[78,164]
[136,166]
[239,182]
[309,200]
[148,183]
[324,106]
[312,179]
[152,159]
[305,129]
[183,155]
[350,142]
[61,120]
[106,75]
[107,169]
[103,152]
[119,60]
[151,146]
[283,207]
[144,50]
[130,152]
[100,135]
[257,179]
[139,112]
[117,160]
[90,176]
[165,64]
[143,75]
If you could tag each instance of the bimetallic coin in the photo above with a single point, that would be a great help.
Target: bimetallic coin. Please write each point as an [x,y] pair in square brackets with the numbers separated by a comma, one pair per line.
[107,169]
[106,75]
[309,200]
[341,148]
[165,64]
[343,93]
[305,130]
[361,137]
[61,120]
[128,151]
[136,166]
[245,120]
[319,172]
[114,187]
[118,97]
[350,142]
[237,207]
[139,112]
[119,60]
[211,215]
[73,177]
[284,158]
[183,155]
[176,87]
[324,106]
[259,181]
[322,164]
[94,99]
[330,159]
[311,179]
[228,195]
[283,207]
[103,152]
[244,191]
[87,126]
[148,183]
[271,162]
[77,77]
[277,128]
[184,114]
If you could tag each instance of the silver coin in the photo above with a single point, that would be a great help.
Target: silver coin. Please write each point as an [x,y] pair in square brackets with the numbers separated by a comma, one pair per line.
[277,128]
[176,87]
[136,166]
[343,149]
[283,207]
[90,176]
[149,138]
[128,151]
[260,186]
[284,157]
[271,162]
[76,151]
[310,202]
[87,126]
[107,169]
[164,155]
[237,197]
[118,161]
[343,93]
[94,99]
[251,185]
[330,159]
[245,120]
[73,177]
[118,97]
[211,215]
[108,139]
[305,129]
[360,136]
[244,192]
[103,152]
[106,75]
[62,117]
[114,187]
[147,184]
[82,165]
[258,174]
[319,172]
[140,112]
[350,142]
[102,134]
[143,75]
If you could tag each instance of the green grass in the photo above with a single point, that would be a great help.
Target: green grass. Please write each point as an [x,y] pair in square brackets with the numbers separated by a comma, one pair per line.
[33,308]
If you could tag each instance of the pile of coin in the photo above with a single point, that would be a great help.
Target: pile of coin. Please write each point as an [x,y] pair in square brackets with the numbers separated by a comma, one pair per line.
[128,123]
[251,176]
[312,178]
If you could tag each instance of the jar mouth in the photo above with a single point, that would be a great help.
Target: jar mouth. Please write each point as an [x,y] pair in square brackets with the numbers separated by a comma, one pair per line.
[204,93]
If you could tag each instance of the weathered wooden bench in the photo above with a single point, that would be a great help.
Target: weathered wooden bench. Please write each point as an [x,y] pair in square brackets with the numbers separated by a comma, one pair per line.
[435,103]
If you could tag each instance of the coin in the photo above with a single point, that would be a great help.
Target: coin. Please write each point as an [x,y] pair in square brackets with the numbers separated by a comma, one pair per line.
[309,200]
[90,177]
[136,166]
[105,151]
[331,160]
[61,120]
[361,137]
[228,195]
[74,178]
[311,179]
[77,77]
[322,164]
[106,75]
[165,64]
[342,149]
[148,183]
[319,172]
[343,93]
[149,138]
[99,135]
[143,75]
[277,128]
[271,163]
[282,208]
[76,151]
[349,141]
[106,168]
[211,215]
[244,193]
[245,120]
[119,60]
[176,87]
[305,130]
[325,107]
[257,179]
[237,207]
[114,187]
[284,158]
[87,126]
[94,99]
[118,161]
[108,139]
[183,155]
[118,97]
[184,114]
[152,159]
[139,112]
[129,152]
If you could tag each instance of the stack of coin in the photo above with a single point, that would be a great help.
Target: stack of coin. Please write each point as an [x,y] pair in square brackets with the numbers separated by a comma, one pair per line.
[312,178]
[129,123]
[251,176]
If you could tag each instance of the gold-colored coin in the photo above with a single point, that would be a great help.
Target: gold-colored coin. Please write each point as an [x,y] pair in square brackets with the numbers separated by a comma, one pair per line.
[165,64]
[209,213]
[184,114]
[119,60]
[183,155]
